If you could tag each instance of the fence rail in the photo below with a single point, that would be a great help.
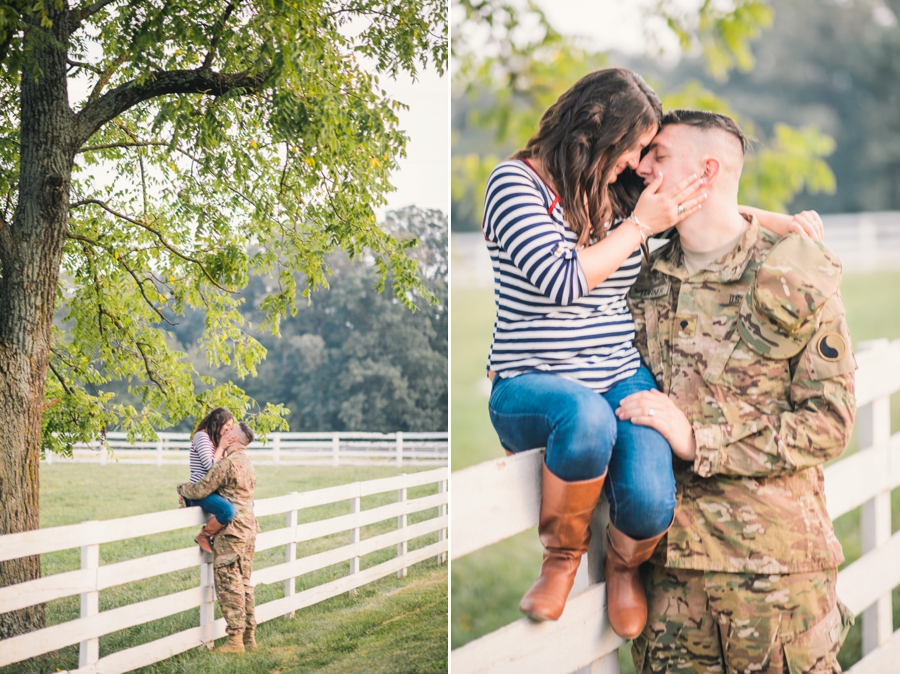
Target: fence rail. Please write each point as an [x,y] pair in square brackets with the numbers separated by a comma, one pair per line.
[499,499]
[91,578]
[288,449]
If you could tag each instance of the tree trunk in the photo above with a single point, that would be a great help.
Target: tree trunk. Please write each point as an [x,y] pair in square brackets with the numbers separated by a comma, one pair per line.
[30,254]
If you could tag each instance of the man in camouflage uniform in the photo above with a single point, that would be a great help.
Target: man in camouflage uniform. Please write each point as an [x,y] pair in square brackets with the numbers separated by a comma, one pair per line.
[234,478]
[747,339]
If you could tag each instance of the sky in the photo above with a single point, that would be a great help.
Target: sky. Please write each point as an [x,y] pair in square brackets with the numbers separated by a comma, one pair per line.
[612,24]
[423,178]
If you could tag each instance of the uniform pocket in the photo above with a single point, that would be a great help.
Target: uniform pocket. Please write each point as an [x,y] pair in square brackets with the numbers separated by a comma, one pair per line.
[815,650]
[222,561]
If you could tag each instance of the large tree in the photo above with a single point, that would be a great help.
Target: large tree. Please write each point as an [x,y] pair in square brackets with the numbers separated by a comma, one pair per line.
[144,146]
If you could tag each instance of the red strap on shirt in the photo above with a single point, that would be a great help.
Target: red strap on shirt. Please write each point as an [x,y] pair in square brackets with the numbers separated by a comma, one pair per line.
[556,199]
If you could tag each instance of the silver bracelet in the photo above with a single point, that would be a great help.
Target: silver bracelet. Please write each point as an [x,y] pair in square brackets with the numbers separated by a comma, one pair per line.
[640,226]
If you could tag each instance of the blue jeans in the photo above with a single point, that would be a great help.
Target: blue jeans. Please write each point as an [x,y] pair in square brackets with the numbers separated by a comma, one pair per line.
[217,505]
[583,438]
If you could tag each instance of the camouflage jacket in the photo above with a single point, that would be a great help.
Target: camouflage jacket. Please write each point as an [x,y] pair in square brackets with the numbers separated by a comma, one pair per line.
[753,500]
[234,478]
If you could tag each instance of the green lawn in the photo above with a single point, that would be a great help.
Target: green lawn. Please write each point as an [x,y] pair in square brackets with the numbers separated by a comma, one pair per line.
[487,585]
[392,625]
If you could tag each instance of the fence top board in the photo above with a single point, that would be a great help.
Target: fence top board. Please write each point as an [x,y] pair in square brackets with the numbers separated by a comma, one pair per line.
[40,541]
[342,435]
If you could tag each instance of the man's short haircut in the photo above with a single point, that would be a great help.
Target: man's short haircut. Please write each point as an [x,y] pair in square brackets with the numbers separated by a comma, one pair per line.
[703,119]
[248,433]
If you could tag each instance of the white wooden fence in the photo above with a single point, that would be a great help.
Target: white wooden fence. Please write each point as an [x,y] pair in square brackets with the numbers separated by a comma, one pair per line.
[289,449]
[92,577]
[498,499]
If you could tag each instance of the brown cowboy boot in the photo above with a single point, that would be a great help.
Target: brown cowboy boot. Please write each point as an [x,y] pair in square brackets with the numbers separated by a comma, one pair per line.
[234,644]
[627,603]
[210,529]
[250,638]
[566,511]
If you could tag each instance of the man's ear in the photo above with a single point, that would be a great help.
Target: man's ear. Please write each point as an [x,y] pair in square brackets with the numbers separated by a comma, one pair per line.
[712,166]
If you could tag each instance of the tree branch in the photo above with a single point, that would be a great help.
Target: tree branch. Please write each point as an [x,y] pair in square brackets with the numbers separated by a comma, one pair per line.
[147,368]
[86,66]
[106,75]
[220,25]
[87,11]
[162,240]
[140,283]
[161,83]
[107,146]
[61,380]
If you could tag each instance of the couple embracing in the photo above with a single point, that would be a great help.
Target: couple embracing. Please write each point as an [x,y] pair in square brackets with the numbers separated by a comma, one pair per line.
[702,385]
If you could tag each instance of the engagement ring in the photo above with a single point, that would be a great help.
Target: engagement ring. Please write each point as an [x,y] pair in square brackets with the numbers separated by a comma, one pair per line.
[650,412]
[680,209]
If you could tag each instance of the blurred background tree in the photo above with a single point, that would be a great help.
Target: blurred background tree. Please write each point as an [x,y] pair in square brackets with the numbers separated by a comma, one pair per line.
[828,120]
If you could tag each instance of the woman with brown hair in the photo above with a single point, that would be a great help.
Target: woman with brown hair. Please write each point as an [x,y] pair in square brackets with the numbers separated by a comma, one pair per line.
[565,221]
[208,446]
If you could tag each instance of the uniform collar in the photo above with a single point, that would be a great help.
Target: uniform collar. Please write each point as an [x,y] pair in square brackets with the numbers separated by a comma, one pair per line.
[729,269]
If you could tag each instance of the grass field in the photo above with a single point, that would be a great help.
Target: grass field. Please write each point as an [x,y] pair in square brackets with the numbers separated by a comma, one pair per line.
[487,585]
[392,625]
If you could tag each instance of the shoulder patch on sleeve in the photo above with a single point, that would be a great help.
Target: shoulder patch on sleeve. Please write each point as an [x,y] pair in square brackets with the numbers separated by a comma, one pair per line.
[829,353]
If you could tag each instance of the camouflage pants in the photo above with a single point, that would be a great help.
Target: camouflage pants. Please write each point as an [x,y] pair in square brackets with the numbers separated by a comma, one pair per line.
[232,563]
[729,623]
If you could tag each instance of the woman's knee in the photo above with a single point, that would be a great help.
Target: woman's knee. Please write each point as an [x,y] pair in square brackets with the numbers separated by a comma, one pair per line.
[228,513]
[583,438]
[646,510]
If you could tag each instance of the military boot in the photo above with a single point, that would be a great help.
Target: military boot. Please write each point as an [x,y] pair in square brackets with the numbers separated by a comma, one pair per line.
[566,511]
[234,644]
[250,638]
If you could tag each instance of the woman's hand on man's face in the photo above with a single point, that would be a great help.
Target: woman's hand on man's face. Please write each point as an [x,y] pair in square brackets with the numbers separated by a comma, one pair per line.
[656,410]
[660,210]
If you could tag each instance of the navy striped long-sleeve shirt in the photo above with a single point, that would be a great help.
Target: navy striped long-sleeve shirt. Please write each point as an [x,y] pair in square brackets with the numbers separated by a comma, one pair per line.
[547,317]
[201,455]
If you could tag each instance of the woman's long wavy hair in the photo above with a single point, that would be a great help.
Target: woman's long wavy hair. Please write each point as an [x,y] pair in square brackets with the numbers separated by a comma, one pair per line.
[583,135]
[214,423]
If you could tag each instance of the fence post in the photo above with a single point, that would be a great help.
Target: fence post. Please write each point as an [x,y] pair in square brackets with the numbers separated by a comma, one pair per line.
[875,427]
[48,456]
[276,447]
[207,600]
[399,448]
[442,510]
[102,453]
[336,450]
[290,552]
[159,451]
[354,540]
[401,524]
[89,650]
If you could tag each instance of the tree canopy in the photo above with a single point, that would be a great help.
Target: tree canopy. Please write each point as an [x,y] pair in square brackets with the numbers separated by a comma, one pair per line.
[290,150]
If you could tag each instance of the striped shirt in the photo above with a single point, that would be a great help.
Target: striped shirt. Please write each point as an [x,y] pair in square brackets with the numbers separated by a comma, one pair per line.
[202,451]
[547,317]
